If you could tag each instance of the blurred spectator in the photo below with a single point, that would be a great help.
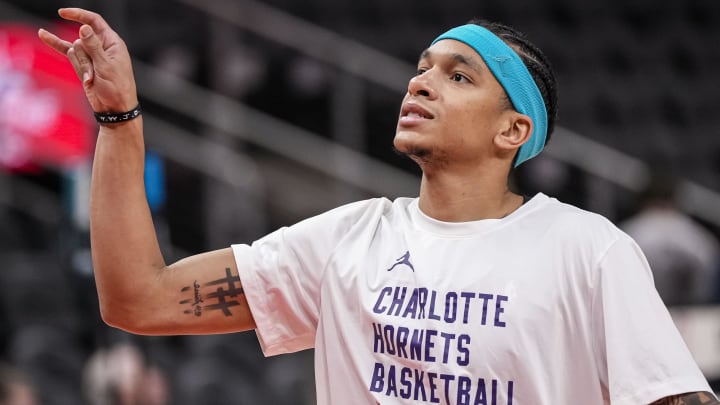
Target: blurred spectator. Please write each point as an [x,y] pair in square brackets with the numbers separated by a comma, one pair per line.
[683,254]
[120,376]
[15,389]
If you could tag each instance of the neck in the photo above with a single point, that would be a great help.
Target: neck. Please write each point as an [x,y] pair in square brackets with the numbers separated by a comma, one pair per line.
[452,197]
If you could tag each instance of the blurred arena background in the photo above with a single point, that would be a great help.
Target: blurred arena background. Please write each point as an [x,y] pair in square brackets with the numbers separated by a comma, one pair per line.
[259,114]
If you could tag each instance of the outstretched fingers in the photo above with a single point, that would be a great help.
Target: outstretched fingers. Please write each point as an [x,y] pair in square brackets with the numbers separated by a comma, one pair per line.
[100,59]
[80,58]
[95,33]
[54,42]
[82,16]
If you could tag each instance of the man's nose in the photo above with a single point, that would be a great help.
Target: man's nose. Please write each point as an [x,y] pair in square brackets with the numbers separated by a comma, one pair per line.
[421,86]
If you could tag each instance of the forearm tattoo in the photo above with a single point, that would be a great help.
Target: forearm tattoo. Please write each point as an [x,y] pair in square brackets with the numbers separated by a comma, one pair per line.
[220,294]
[694,398]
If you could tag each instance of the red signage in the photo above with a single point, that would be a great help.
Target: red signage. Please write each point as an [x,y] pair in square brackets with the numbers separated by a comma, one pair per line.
[45,120]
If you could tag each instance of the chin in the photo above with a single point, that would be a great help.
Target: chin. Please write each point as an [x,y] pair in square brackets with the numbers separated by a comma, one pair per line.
[413,151]
[405,140]
[412,144]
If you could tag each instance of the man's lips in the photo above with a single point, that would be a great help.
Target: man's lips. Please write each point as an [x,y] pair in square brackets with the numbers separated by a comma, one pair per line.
[414,113]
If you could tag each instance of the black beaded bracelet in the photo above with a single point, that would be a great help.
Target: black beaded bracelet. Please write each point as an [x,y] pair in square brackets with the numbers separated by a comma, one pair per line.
[113,118]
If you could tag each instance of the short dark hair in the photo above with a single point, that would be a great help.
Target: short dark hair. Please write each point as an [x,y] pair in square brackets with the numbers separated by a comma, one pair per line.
[537,64]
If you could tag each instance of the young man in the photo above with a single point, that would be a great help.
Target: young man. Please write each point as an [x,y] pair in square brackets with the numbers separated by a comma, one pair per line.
[465,295]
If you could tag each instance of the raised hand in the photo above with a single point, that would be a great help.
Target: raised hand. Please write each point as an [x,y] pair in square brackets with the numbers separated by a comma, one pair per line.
[100,59]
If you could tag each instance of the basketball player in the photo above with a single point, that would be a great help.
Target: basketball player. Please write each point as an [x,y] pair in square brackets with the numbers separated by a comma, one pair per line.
[469,294]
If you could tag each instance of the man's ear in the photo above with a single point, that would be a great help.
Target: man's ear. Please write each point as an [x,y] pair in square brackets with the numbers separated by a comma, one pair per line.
[518,131]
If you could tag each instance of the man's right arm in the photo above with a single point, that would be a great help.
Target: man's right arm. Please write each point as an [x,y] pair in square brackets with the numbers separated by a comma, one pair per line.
[138,292]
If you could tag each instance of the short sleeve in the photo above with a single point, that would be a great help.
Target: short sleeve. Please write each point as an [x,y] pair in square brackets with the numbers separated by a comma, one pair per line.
[282,273]
[643,355]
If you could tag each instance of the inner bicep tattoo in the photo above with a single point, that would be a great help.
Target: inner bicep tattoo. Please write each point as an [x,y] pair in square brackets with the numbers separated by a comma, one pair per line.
[216,295]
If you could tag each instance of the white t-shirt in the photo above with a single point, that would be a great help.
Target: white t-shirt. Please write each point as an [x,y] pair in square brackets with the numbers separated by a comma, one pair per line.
[549,305]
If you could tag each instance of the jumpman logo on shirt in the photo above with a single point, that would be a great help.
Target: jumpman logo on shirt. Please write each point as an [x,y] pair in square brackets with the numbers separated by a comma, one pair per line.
[404,259]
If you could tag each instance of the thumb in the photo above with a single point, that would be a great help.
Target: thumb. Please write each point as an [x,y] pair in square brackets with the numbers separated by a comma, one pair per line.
[92,44]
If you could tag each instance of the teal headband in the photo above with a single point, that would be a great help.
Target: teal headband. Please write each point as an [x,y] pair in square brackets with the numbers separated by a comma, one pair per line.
[512,74]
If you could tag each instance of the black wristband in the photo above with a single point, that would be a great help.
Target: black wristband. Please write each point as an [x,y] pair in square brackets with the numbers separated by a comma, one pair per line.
[113,118]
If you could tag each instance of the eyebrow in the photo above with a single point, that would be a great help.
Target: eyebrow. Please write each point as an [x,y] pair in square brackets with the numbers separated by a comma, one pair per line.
[458,58]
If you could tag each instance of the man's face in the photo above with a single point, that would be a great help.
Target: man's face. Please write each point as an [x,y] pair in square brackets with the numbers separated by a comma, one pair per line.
[453,107]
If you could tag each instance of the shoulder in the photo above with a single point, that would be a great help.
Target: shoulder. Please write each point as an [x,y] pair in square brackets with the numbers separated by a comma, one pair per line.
[372,208]
[572,232]
[574,222]
[358,214]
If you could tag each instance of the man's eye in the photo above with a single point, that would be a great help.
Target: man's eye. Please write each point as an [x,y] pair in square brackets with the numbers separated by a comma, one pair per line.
[458,77]
[420,71]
